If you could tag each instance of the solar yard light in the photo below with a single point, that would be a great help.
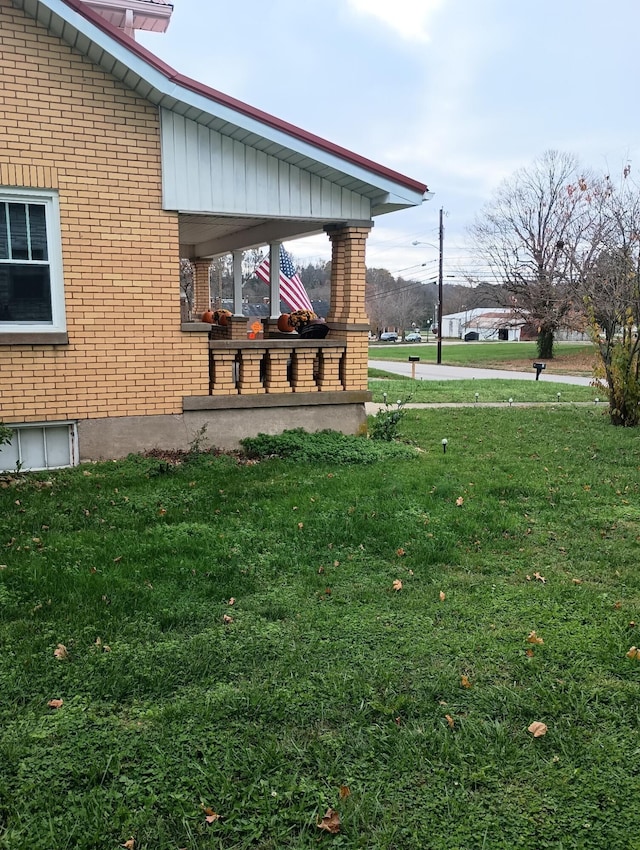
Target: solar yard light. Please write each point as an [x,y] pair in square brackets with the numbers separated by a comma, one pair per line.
[510,402]
[477,395]
[558,396]
[444,445]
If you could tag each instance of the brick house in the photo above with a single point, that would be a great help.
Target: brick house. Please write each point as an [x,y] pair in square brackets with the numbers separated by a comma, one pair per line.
[113,167]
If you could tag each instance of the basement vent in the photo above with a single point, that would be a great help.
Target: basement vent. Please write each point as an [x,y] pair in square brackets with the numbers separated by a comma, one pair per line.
[40,446]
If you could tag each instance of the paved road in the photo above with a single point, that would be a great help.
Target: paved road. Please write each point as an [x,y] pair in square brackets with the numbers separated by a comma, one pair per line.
[433,372]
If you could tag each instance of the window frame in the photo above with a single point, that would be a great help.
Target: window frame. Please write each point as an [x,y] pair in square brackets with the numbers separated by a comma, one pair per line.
[19,428]
[58,324]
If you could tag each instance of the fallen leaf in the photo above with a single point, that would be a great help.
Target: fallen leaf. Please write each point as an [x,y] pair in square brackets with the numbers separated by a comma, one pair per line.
[617,606]
[336,563]
[320,570]
[117,560]
[450,720]
[634,653]
[537,729]
[529,653]
[129,845]
[442,596]
[528,578]
[226,619]
[345,792]
[55,703]
[397,584]
[232,601]
[209,815]
[576,580]
[327,590]
[300,525]
[330,822]
[61,652]
[632,624]
[459,501]
[400,552]
[533,638]
[464,681]
[538,577]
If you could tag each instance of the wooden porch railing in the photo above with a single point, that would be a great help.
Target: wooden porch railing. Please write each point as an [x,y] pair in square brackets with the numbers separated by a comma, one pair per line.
[252,367]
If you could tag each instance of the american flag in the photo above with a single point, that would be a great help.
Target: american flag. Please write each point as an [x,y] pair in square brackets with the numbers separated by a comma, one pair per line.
[292,289]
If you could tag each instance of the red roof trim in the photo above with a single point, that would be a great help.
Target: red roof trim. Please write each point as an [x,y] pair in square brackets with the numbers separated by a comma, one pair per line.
[231,102]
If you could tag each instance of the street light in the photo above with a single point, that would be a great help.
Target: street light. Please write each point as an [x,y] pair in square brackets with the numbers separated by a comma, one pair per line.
[440,278]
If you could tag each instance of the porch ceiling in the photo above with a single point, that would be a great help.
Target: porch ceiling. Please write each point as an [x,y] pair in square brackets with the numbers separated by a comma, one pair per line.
[209,235]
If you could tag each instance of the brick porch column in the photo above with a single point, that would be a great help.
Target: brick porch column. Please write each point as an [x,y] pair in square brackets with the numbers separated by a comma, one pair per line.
[201,290]
[347,316]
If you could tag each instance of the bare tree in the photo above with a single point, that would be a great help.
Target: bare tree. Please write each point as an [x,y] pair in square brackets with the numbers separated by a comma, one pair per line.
[186,286]
[396,302]
[538,234]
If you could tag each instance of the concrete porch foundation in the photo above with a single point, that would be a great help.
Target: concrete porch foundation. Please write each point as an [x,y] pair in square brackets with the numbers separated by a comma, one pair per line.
[116,437]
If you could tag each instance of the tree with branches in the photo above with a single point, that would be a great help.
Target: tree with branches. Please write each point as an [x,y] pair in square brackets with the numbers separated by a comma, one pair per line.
[538,234]
[611,289]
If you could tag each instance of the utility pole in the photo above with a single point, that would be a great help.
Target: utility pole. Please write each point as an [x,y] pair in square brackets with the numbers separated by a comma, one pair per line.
[440,293]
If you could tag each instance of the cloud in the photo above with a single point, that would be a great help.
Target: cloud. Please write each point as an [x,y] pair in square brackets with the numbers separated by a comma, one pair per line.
[408,18]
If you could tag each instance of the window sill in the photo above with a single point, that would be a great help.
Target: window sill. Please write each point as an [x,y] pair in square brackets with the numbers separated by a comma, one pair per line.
[34,338]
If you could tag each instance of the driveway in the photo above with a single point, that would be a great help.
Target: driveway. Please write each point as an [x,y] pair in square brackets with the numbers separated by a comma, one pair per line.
[433,372]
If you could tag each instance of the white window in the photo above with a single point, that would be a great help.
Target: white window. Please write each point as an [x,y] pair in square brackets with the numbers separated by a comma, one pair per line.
[40,446]
[31,287]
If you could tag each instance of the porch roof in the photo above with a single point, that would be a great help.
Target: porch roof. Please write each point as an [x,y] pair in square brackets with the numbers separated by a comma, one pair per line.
[332,184]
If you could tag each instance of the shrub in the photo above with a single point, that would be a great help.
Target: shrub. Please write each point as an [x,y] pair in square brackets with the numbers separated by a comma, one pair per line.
[6,433]
[320,447]
[386,422]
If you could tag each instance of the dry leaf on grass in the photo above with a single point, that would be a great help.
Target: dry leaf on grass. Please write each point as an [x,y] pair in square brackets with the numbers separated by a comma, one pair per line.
[634,652]
[61,652]
[55,703]
[464,681]
[209,815]
[330,822]
[533,638]
[537,729]
[459,501]
[226,619]
[129,845]
[442,596]
[400,552]
[538,577]
[397,584]
[232,601]
[345,792]
[450,720]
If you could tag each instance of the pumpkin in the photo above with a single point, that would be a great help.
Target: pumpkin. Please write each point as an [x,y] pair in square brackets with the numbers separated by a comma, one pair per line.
[283,324]
[207,316]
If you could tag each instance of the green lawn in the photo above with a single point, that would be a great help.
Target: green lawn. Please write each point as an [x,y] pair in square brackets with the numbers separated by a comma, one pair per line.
[489,390]
[404,710]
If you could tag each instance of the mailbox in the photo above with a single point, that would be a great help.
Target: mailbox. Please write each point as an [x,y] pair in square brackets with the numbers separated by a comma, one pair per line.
[539,367]
[413,361]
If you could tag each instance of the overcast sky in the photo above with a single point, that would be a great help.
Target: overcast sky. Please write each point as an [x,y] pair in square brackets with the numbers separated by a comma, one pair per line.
[454,93]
